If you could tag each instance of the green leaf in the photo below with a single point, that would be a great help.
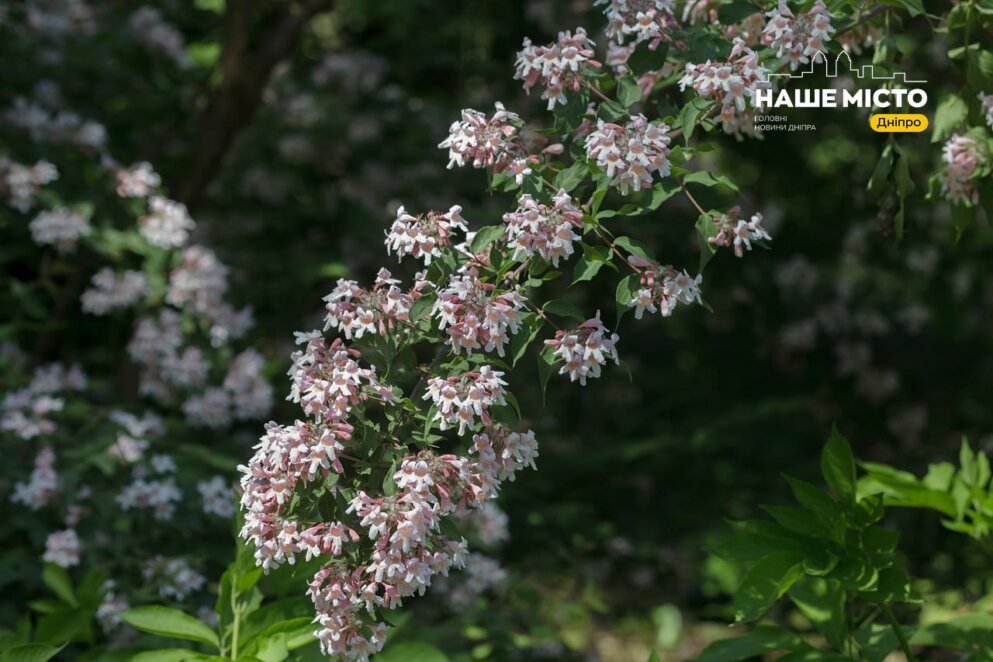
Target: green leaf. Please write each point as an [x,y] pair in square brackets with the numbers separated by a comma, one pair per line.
[705,229]
[628,91]
[876,641]
[564,308]
[822,601]
[893,585]
[30,653]
[612,111]
[798,519]
[644,59]
[813,655]
[633,247]
[167,622]
[57,579]
[216,6]
[587,269]
[856,574]
[972,633]
[707,178]
[274,643]
[484,237]
[572,176]
[594,258]
[659,195]
[569,116]
[764,584]
[546,365]
[624,294]
[691,113]
[879,181]
[169,655]
[735,12]
[531,325]
[274,613]
[412,651]
[900,488]
[826,509]
[951,112]
[962,217]
[838,467]
[756,539]
[763,639]
[422,307]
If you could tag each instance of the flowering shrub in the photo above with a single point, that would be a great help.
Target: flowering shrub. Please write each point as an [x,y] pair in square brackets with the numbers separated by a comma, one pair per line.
[96,434]
[368,464]
[418,399]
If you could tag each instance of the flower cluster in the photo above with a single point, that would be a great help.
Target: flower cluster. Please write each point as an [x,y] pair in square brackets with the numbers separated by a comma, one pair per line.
[475,317]
[584,350]
[168,366]
[408,548]
[556,66]
[640,20]
[538,229]
[109,291]
[355,311]
[500,452]
[461,399]
[159,36]
[199,285]
[488,523]
[138,181]
[731,84]
[737,232]
[42,484]
[245,382]
[962,157]
[111,606]
[167,224]
[986,101]
[132,439]
[60,228]
[482,573]
[26,412]
[20,184]
[425,235]
[662,287]
[485,142]
[57,128]
[798,38]
[631,153]
[62,548]
[158,495]
[327,380]
[173,577]
[216,496]
[696,12]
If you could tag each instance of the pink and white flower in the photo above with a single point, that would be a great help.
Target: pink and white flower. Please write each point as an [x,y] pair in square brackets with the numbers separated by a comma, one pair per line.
[584,350]
[798,38]
[631,153]
[962,156]
[639,21]
[425,235]
[737,232]
[483,142]
[557,66]
[475,317]
[548,232]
